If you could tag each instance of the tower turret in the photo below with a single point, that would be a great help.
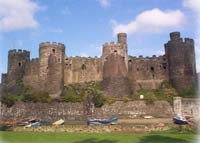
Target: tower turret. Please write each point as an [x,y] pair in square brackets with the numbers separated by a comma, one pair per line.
[181,60]
[121,38]
[18,61]
[51,73]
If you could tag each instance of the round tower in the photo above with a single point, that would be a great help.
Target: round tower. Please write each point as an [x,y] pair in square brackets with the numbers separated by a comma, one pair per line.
[181,61]
[18,61]
[51,72]
[122,38]
[174,36]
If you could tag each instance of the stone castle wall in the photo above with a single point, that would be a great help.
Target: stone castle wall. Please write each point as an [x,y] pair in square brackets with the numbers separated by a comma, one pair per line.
[147,73]
[120,74]
[77,111]
[81,69]
[187,107]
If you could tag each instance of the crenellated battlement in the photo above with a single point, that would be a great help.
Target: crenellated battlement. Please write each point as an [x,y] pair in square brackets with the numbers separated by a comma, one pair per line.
[189,42]
[51,44]
[18,52]
[141,57]
[34,59]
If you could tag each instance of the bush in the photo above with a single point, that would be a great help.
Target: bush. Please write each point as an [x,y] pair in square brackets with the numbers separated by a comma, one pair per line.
[8,99]
[37,97]
[72,98]
[165,92]
[189,92]
[98,100]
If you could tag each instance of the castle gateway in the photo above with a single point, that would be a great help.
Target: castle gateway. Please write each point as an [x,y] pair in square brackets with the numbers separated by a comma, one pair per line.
[120,74]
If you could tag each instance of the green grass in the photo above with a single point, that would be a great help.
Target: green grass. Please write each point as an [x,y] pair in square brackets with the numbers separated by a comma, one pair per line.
[63,137]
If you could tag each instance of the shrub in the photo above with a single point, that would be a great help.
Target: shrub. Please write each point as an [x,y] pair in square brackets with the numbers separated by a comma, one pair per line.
[72,98]
[8,99]
[98,100]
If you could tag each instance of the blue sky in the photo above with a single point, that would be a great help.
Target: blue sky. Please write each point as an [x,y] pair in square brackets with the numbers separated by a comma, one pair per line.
[84,25]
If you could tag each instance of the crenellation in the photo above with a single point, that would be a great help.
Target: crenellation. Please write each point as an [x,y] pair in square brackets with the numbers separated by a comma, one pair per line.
[189,42]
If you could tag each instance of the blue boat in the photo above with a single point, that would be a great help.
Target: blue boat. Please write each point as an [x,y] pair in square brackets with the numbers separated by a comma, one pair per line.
[104,121]
[180,120]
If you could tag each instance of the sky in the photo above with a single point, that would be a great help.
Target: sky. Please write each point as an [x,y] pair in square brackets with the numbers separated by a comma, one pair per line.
[85,25]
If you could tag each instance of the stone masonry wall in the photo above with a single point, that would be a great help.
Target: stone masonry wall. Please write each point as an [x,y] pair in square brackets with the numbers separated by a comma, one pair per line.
[82,69]
[147,73]
[75,111]
[187,107]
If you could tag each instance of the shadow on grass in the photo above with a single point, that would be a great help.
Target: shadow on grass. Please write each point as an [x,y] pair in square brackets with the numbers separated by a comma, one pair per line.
[161,139]
[94,140]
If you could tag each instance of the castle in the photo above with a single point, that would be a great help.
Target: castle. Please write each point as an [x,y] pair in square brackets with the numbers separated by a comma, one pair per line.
[120,74]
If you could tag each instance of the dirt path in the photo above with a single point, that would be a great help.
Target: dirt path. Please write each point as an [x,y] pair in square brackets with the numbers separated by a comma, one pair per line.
[146,121]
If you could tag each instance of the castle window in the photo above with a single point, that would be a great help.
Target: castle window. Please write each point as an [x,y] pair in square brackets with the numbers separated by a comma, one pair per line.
[153,76]
[83,67]
[138,69]
[58,59]
[19,64]
[152,69]
[53,50]
[115,51]
[130,61]
[164,66]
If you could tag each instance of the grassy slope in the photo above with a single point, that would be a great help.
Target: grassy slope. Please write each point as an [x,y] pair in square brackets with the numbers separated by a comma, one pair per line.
[62,137]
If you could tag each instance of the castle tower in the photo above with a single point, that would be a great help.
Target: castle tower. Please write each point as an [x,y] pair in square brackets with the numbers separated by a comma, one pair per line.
[115,67]
[51,72]
[181,60]
[18,62]
[122,38]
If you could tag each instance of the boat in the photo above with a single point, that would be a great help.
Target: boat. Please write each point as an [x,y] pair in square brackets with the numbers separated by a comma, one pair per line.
[59,122]
[111,120]
[180,120]
[27,122]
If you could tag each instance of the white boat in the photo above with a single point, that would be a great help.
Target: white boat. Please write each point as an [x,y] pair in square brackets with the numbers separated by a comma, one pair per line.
[59,122]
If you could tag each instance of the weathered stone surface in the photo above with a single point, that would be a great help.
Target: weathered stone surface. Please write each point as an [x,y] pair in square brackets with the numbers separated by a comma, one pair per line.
[75,111]
[52,70]
[187,107]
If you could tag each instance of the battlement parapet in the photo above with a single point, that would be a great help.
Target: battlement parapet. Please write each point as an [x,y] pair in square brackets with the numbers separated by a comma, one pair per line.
[83,58]
[19,52]
[50,44]
[111,44]
[34,59]
[189,41]
[141,57]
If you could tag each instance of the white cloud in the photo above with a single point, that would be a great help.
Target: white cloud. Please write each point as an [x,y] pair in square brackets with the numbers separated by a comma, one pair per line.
[153,20]
[192,4]
[104,3]
[17,14]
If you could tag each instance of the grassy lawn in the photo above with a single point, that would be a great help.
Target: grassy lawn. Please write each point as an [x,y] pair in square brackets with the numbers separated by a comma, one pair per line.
[63,137]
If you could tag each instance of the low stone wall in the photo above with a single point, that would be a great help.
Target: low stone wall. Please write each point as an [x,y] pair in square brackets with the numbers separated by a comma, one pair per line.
[45,111]
[134,109]
[187,106]
[79,112]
